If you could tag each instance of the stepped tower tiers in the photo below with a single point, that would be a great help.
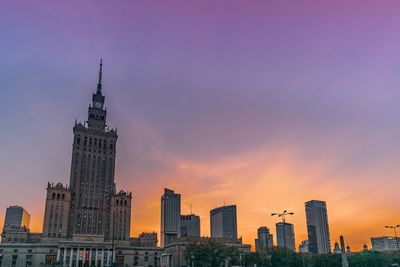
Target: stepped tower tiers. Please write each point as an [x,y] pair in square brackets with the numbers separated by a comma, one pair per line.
[92,172]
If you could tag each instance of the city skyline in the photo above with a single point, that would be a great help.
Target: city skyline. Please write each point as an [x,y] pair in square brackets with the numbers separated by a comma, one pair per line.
[206,112]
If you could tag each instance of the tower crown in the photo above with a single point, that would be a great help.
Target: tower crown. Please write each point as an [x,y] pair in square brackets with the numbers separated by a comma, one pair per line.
[97,113]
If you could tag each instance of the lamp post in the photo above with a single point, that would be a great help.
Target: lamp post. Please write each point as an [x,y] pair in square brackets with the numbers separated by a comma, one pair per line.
[395,234]
[283,216]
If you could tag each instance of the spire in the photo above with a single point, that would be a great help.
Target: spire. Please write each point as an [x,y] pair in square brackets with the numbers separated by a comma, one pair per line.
[100,76]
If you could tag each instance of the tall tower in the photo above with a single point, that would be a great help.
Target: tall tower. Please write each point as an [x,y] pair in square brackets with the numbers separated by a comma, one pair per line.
[170,217]
[92,172]
[318,227]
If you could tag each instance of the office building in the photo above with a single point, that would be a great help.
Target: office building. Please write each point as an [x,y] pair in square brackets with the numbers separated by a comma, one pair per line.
[170,217]
[223,222]
[17,217]
[318,227]
[264,239]
[190,225]
[285,235]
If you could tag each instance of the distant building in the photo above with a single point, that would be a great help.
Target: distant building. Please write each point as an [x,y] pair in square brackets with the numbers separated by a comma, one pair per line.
[170,217]
[264,239]
[285,235]
[56,212]
[223,222]
[145,240]
[17,216]
[190,225]
[303,247]
[318,227]
[12,234]
[384,243]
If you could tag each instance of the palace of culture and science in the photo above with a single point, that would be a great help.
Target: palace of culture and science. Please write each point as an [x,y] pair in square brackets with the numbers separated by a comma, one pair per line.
[90,209]
[87,223]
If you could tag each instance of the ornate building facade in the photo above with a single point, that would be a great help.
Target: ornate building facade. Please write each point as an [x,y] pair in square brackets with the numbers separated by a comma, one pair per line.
[57,210]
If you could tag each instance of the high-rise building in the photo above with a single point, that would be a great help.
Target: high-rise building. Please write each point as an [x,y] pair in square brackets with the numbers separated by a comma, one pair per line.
[56,212]
[264,239]
[17,217]
[170,217]
[190,225]
[285,235]
[318,227]
[92,182]
[223,222]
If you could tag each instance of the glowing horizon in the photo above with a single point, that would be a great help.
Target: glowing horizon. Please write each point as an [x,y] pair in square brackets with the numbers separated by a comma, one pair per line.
[264,105]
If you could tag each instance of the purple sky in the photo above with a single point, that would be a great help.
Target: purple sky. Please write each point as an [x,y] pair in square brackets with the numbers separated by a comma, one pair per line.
[265,104]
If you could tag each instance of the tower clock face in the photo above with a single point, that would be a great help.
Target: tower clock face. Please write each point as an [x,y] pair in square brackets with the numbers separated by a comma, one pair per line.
[97,105]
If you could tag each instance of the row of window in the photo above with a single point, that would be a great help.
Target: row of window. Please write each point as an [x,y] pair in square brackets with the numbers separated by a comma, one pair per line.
[58,196]
[97,117]
[93,142]
[121,202]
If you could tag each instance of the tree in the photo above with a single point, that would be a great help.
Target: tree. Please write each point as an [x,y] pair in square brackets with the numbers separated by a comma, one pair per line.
[211,254]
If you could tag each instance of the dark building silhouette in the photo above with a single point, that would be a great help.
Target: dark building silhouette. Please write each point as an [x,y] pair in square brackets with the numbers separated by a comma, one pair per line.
[318,227]
[92,176]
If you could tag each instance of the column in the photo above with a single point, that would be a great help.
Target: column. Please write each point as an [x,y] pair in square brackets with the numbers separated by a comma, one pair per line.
[58,254]
[70,259]
[65,257]
[90,256]
[102,257]
[77,257]
[109,258]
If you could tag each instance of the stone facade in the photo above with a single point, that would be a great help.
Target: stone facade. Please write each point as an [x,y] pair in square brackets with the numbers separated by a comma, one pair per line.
[120,216]
[92,171]
[78,253]
[57,210]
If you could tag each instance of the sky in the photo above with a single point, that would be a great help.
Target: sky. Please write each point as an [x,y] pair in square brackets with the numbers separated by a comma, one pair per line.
[262,104]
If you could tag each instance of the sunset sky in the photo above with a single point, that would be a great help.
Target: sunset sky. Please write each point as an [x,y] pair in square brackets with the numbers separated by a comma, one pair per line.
[263,104]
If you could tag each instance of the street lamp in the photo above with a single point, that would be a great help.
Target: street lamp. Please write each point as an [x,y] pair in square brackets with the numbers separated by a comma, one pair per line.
[283,216]
[395,234]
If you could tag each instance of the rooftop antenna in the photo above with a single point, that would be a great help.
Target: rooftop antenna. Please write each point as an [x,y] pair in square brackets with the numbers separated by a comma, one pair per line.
[191,209]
